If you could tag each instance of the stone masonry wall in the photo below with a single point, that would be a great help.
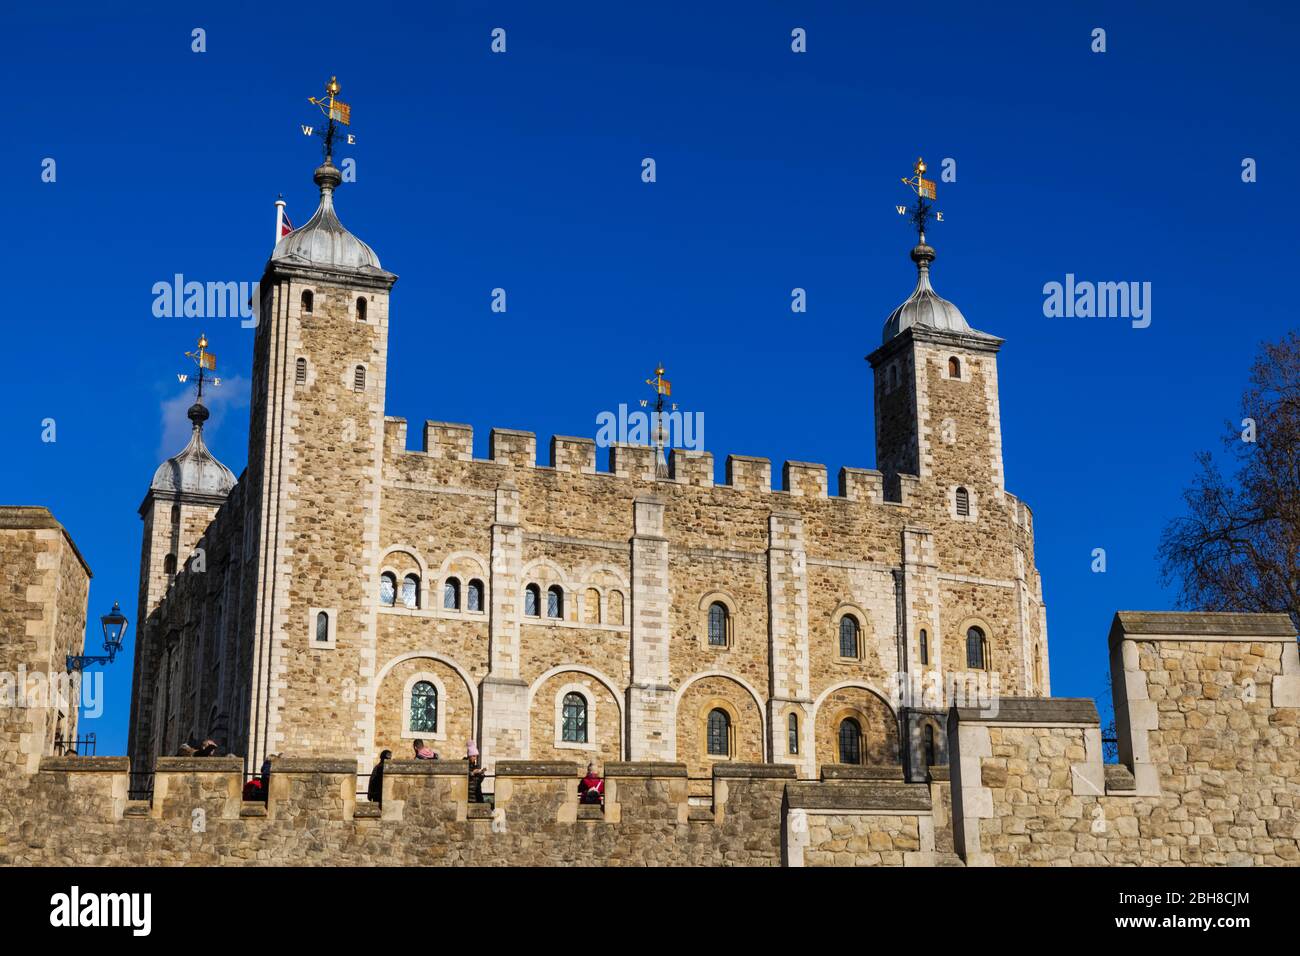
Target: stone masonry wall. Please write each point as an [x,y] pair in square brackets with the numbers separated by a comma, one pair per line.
[1208,713]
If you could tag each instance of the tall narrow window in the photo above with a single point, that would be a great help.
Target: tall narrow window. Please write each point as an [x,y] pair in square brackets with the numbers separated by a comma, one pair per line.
[361,308]
[322,627]
[308,300]
[451,594]
[424,708]
[976,649]
[555,601]
[474,596]
[614,602]
[719,733]
[359,378]
[717,624]
[300,372]
[925,647]
[954,367]
[850,741]
[574,713]
[849,636]
[963,503]
[411,591]
[929,745]
[388,589]
[532,601]
[591,606]
[793,745]
[169,564]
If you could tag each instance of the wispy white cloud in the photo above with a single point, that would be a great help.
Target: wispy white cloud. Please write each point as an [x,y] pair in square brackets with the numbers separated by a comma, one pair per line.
[232,394]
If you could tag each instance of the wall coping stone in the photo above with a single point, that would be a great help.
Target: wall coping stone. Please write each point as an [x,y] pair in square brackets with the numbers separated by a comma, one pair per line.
[199,765]
[346,765]
[755,771]
[878,795]
[848,771]
[1031,710]
[427,768]
[538,768]
[1200,625]
[86,764]
[646,768]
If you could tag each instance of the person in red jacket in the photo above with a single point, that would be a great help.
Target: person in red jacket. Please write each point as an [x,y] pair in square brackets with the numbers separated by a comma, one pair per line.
[591,789]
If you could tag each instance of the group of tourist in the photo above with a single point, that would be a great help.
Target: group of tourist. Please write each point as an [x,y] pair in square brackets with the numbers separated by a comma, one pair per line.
[591,788]
[208,748]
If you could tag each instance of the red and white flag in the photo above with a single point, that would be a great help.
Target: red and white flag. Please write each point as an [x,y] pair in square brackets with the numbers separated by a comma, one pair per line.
[282,224]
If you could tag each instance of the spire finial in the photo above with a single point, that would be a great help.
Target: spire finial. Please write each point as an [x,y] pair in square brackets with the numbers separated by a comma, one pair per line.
[206,362]
[335,111]
[922,210]
[662,387]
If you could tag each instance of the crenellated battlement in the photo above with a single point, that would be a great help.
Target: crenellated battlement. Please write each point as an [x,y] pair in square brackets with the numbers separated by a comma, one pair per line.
[1206,708]
[513,448]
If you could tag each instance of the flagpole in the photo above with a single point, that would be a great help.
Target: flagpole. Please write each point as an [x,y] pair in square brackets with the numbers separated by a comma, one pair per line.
[279,220]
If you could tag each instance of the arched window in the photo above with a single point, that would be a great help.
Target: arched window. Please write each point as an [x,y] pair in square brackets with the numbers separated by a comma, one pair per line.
[474,596]
[388,589]
[169,564]
[977,647]
[719,733]
[300,372]
[925,647]
[532,601]
[1038,668]
[849,636]
[359,378]
[591,606]
[574,713]
[850,741]
[793,744]
[929,745]
[963,503]
[361,308]
[424,708]
[176,514]
[451,594]
[308,300]
[614,602]
[411,591]
[555,601]
[322,627]
[954,367]
[718,624]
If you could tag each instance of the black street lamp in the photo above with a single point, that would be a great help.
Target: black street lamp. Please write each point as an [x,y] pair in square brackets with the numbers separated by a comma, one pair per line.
[114,624]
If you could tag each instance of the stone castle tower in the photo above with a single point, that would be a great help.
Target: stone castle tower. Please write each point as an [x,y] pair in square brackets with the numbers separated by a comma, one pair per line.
[314,467]
[186,492]
[358,595]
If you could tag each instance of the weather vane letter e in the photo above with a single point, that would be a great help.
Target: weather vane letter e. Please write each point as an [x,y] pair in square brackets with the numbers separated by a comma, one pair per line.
[924,189]
[335,112]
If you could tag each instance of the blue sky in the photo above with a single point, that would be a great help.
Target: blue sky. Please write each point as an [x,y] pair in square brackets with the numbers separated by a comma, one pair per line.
[775,170]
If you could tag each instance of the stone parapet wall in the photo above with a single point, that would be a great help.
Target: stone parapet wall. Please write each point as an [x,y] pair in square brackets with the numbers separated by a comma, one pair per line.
[1209,745]
[76,812]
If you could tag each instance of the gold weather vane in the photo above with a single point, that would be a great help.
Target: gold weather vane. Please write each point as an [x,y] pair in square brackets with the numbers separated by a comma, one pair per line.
[924,189]
[205,361]
[335,111]
[662,388]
